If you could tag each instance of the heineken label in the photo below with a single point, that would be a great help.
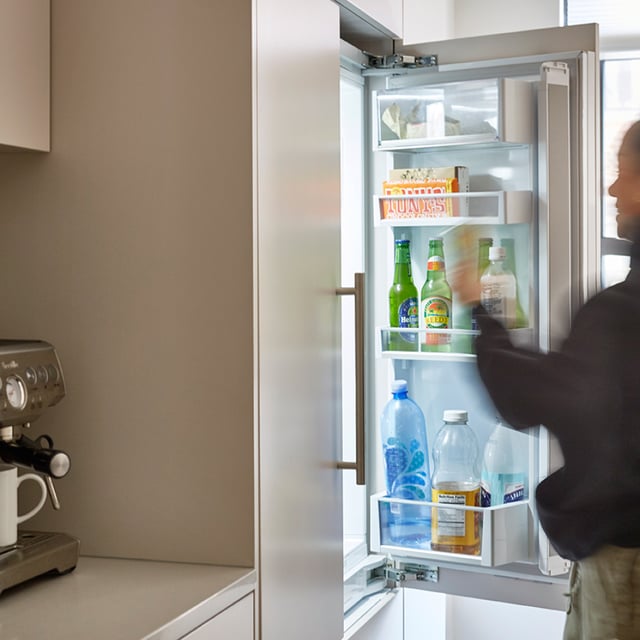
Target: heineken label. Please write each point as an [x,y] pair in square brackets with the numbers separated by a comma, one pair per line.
[408,314]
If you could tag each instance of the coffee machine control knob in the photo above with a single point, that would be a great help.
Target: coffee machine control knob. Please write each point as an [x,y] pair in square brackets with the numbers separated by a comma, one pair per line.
[59,464]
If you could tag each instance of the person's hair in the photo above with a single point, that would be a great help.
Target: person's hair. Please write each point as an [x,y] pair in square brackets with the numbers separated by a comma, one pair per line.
[633,136]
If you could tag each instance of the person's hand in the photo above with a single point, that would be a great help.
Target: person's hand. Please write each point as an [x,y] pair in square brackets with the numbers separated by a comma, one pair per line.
[463,279]
[463,275]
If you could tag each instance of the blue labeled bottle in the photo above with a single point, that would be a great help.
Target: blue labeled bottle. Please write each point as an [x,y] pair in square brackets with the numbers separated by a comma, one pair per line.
[503,477]
[406,461]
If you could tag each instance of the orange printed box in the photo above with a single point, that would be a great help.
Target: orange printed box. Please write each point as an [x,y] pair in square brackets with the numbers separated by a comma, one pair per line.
[423,182]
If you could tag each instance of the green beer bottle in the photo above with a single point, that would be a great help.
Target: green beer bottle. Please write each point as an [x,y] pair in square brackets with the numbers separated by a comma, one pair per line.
[436,301]
[403,301]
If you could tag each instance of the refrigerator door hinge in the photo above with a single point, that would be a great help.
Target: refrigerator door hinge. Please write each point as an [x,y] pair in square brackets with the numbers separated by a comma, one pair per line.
[400,575]
[399,61]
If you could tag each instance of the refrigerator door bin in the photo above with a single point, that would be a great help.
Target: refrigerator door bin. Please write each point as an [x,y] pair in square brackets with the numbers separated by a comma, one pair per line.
[504,532]
[409,344]
[493,110]
[449,209]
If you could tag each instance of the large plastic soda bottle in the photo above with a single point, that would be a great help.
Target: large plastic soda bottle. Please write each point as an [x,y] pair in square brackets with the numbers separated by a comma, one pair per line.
[455,481]
[435,300]
[503,476]
[498,289]
[403,300]
[406,461]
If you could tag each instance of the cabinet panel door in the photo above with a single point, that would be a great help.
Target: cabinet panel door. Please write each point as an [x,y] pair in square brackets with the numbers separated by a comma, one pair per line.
[298,320]
[24,74]
[234,623]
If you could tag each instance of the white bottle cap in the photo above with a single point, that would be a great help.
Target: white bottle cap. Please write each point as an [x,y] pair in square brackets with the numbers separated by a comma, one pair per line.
[497,253]
[455,415]
[398,386]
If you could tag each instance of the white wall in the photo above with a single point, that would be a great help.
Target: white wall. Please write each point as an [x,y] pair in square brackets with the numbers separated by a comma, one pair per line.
[444,19]
[473,18]
[428,21]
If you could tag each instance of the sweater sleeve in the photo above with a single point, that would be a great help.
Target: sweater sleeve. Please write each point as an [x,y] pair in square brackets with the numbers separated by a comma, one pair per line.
[557,389]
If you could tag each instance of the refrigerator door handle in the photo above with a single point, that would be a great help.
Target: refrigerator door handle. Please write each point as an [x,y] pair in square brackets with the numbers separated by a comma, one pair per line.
[358,291]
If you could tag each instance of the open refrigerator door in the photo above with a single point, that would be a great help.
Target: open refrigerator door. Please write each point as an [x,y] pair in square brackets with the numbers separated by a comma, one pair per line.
[505,149]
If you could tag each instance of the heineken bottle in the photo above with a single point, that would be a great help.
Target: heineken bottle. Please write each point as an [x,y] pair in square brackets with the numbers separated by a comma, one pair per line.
[435,301]
[403,301]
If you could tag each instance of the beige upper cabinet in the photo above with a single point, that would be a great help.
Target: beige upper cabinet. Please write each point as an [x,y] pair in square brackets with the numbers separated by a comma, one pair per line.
[24,74]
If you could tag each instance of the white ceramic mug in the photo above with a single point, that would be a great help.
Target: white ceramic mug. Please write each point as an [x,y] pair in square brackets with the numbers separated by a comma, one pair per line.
[9,518]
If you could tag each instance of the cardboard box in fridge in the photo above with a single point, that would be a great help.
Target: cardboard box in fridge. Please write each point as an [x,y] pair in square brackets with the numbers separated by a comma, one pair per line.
[421,182]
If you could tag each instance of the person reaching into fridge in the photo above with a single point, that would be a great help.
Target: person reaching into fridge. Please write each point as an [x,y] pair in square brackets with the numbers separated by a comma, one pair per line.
[586,394]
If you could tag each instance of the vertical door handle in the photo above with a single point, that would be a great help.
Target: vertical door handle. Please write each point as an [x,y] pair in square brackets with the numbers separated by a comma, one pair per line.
[358,291]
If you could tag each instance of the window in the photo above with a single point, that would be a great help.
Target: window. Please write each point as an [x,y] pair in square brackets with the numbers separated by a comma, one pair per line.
[620,107]
[619,27]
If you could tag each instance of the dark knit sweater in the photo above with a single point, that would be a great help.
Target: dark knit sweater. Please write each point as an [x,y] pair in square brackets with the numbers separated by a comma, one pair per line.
[588,395]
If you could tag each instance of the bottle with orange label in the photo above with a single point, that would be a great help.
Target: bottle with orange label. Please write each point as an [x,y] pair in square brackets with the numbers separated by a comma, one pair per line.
[455,482]
[435,301]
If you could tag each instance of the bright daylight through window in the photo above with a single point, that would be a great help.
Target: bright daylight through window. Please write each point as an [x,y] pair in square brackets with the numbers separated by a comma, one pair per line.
[619,25]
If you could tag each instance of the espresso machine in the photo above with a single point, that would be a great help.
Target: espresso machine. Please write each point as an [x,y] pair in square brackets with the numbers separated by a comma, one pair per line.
[31,381]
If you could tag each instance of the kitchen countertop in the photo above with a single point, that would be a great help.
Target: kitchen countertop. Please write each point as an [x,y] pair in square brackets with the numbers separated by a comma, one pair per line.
[111,599]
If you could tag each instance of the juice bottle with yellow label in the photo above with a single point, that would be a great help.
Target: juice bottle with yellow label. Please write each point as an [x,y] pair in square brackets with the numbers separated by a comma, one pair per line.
[455,483]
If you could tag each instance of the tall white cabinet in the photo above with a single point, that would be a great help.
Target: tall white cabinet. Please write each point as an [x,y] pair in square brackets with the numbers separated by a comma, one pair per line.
[297,311]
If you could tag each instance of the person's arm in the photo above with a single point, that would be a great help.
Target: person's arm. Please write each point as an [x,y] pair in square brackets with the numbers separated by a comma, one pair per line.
[558,389]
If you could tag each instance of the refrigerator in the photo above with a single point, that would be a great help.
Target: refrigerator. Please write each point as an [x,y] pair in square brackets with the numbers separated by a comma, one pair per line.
[520,113]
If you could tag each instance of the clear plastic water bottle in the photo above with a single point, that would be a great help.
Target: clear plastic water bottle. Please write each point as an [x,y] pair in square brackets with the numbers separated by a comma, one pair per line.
[498,289]
[503,479]
[456,482]
[406,461]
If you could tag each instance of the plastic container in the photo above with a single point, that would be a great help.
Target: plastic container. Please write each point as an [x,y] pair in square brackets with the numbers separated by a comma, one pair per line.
[406,461]
[503,475]
[484,244]
[456,482]
[498,289]
[510,265]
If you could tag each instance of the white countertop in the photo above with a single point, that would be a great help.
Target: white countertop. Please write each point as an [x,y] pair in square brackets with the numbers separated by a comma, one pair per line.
[109,599]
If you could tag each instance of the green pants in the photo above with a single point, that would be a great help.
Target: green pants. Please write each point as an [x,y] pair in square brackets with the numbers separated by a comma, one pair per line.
[604,602]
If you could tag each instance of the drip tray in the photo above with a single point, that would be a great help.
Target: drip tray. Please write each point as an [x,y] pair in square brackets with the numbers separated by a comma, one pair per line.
[36,553]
